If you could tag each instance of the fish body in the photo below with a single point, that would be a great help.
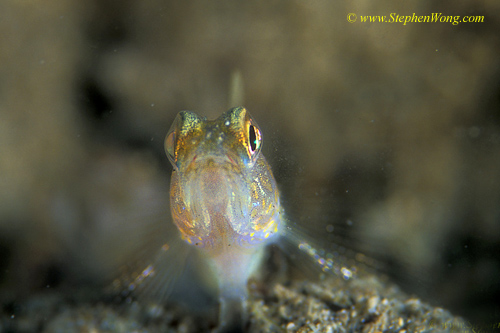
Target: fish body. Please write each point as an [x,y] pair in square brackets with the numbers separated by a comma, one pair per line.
[224,198]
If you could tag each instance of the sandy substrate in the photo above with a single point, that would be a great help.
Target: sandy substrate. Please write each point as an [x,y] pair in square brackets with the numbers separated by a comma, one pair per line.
[334,305]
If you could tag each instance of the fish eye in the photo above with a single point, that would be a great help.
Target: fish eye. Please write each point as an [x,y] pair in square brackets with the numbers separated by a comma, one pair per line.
[170,145]
[254,139]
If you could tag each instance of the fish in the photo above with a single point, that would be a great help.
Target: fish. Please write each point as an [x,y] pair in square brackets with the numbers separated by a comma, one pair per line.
[225,204]
[224,199]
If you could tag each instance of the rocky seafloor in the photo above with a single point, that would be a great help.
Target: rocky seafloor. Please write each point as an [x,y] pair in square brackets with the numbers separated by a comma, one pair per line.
[333,305]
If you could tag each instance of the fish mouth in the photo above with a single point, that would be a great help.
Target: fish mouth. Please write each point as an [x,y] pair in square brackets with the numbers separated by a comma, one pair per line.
[223,161]
[216,187]
[217,184]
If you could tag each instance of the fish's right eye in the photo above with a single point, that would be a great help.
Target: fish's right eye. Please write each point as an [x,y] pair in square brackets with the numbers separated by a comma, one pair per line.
[170,145]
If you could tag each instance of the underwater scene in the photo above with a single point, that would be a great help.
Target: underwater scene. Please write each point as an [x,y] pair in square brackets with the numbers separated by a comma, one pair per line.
[287,166]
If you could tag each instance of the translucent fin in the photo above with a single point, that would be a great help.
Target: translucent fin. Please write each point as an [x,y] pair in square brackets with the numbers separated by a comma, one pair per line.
[159,274]
[317,256]
[156,265]
[152,257]
[236,90]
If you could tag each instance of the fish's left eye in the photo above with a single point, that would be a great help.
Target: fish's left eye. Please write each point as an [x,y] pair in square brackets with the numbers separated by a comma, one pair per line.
[254,139]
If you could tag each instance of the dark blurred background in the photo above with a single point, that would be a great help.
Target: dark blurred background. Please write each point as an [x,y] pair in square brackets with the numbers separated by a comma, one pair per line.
[392,129]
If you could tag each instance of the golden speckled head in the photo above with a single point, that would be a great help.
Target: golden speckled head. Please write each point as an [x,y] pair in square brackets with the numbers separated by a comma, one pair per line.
[234,135]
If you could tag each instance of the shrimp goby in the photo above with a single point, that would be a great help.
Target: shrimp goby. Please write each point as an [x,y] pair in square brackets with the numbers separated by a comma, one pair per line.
[224,199]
